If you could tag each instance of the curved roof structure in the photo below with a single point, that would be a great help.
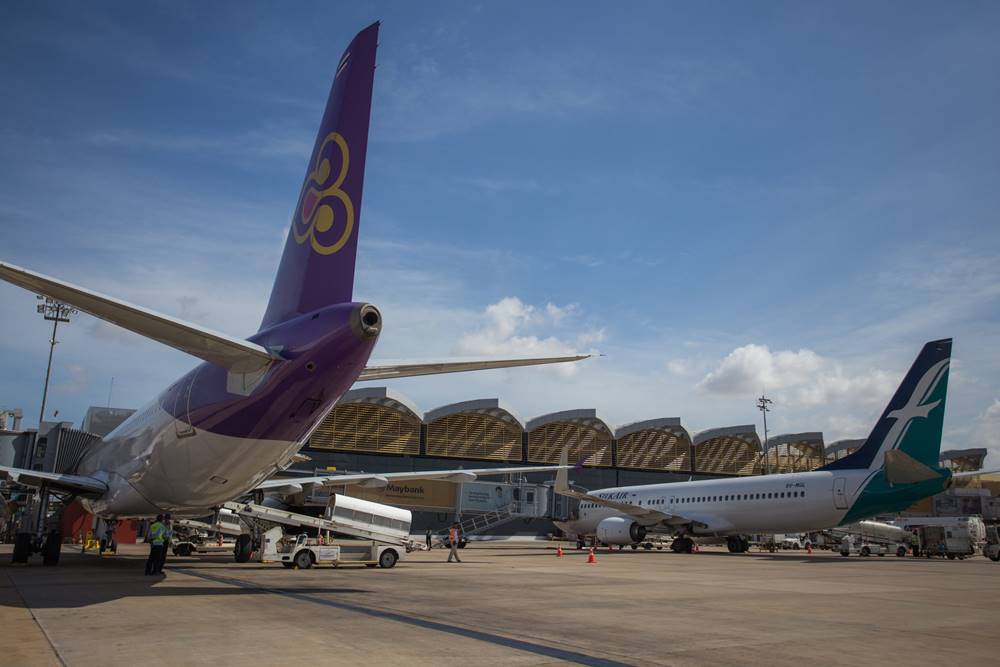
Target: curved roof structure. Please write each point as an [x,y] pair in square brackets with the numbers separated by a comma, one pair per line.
[732,450]
[381,396]
[964,460]
[479,429]
[372,419]
[654,444]
[588,436]
[841,448]
[795,452]
[486,406]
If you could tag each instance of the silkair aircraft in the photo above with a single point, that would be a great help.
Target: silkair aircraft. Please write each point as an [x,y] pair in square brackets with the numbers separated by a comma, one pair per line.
[225,427]
[897,465]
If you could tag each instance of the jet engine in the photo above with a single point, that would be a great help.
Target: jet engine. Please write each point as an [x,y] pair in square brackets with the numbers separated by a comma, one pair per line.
[619,530]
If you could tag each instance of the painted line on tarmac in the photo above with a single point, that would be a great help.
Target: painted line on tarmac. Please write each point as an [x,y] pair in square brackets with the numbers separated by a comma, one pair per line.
[530,647]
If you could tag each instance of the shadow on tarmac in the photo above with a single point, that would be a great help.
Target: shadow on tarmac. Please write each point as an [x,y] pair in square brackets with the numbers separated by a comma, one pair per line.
[82,581]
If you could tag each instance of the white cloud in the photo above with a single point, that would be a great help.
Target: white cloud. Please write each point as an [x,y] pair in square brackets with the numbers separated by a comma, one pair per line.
[796,377]
[679,367]
[753,368]
[506,327]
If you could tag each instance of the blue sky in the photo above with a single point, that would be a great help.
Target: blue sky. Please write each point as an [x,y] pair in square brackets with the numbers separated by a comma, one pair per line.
[721,198]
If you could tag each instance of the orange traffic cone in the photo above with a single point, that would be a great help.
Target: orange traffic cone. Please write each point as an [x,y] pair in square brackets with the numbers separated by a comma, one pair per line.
[559,552]
[591,558]
[696,549]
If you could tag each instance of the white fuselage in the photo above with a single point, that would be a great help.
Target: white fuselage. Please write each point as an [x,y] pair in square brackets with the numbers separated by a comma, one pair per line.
[788,503]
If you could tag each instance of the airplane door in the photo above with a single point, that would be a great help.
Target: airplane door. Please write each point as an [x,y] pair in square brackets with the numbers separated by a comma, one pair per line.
[840,493]
[182,408]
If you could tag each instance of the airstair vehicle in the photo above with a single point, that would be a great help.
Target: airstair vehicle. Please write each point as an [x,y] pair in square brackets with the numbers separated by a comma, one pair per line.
[479,523]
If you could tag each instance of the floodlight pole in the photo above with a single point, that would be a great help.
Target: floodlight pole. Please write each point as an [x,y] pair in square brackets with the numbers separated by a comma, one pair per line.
[762,404]
[56,312]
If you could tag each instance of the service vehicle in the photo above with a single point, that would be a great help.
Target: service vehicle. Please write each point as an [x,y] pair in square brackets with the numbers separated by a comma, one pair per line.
[302,552]
[856,544]
[991,548]
[951,542]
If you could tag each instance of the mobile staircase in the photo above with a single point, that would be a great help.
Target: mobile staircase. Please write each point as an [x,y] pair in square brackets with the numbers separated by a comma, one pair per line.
[479,523]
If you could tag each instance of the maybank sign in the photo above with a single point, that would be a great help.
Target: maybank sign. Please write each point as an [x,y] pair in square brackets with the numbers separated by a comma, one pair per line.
[425,494]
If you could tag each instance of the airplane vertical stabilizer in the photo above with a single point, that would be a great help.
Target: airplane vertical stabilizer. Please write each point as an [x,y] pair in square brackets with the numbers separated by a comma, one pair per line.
[317,266]
[913,420]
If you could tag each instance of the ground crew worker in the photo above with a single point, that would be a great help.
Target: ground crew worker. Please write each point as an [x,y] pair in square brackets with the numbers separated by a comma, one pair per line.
[428,536]
[453,536]
[168,535]
[155,536]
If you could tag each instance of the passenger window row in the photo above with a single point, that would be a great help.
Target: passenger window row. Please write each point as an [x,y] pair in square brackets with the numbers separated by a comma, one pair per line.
[738,497]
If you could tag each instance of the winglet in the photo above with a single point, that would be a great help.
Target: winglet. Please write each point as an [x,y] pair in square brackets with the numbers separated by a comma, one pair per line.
[562,475]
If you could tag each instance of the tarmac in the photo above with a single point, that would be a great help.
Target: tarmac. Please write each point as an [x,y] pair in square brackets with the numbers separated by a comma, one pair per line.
[510,603]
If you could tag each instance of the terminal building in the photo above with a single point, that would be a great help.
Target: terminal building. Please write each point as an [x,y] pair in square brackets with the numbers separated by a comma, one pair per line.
[376,429]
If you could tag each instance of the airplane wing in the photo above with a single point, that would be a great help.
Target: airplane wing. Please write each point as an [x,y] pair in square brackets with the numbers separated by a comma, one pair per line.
[78,484]
[644,515]
[239,356]
[976,473]
[291,485]
[390,372]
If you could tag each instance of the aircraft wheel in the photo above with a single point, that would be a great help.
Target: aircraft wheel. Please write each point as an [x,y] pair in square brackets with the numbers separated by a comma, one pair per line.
[634,547]
[865,551]
[52,549]
[951,556]
[900,552]
[22,548]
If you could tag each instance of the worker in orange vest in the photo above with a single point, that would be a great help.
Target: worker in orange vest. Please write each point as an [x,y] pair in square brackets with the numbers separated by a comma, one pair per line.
[453,537]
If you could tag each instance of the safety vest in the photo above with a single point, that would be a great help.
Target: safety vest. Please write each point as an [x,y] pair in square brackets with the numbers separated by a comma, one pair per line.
[157,532]
[453,535]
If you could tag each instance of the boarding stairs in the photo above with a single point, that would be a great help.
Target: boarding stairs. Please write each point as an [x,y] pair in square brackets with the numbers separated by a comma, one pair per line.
[255,512]
[480,523]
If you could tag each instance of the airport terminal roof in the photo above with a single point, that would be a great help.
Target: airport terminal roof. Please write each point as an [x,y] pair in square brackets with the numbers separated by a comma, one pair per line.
[671,424]
[964,460]
[381,396]
[493,407]
[727,450]
[844,445]
[809,442]
[746,433]
[583,416]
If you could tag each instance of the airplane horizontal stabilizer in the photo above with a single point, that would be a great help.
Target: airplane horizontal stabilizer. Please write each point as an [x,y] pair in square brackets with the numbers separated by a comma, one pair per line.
[379,480]
[239,356]
[901,468]
[390,372]
[78,484]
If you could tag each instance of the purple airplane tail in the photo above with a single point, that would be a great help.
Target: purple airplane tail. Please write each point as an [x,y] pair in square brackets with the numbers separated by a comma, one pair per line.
[317,266]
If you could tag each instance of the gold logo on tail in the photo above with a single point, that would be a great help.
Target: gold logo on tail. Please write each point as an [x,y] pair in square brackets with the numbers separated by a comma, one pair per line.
[316,216]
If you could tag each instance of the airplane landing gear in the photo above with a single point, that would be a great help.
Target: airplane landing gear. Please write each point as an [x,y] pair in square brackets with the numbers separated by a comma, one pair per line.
[35,539]
[682,545]
[737,544]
